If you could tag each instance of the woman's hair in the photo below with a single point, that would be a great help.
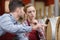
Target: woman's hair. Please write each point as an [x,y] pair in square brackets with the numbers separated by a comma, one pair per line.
[27,6]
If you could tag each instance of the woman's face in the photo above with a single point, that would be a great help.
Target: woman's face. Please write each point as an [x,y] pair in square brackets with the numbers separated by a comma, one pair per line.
[31,12]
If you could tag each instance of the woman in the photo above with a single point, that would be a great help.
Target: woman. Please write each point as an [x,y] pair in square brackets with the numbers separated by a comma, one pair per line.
[30,16]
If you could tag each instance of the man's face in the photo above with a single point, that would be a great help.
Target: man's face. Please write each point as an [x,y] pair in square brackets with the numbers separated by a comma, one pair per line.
[20,12]
[31,12]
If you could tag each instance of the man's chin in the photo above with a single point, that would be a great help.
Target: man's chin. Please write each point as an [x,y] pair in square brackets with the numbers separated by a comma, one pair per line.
[21,18]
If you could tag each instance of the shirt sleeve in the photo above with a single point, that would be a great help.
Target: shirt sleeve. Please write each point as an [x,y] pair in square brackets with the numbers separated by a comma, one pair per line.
[8,26]
[27,28]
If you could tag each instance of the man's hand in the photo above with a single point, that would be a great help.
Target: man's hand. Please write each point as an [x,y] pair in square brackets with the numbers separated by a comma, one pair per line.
[36,25]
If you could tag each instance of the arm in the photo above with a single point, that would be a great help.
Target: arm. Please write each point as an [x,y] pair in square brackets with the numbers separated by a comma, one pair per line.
[8,26]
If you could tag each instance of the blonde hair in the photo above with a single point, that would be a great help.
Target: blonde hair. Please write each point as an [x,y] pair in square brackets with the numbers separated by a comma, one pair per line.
[27,6]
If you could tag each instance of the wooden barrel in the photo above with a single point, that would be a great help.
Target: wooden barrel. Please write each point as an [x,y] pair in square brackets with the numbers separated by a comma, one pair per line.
[52,31]
[54,24]
[58,29]
[48,30]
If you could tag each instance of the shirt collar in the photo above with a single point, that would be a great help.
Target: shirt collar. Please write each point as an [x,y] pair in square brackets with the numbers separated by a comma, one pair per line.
[13,18]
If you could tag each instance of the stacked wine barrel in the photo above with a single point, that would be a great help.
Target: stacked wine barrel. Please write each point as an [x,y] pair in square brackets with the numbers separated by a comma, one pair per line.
[57,37]
[52,31]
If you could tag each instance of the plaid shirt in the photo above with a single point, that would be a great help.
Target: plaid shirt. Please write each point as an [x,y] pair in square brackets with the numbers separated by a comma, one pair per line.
[41,33]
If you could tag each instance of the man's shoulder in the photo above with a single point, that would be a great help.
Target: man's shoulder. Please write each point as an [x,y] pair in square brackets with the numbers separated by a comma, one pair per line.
[4,16]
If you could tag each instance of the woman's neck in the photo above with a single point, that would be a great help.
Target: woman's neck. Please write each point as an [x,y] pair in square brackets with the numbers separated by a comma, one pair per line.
[29,20]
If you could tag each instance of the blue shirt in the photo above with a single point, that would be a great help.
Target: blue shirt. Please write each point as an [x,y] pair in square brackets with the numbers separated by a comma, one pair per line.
[9,24]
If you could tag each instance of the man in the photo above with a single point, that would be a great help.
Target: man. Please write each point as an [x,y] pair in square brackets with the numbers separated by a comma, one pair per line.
[9,22]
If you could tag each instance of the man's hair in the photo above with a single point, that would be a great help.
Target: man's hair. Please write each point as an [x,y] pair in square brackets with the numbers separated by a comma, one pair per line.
[14,4]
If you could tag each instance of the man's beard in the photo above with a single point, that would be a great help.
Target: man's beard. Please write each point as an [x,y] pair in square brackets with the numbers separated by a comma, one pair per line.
[21,18]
